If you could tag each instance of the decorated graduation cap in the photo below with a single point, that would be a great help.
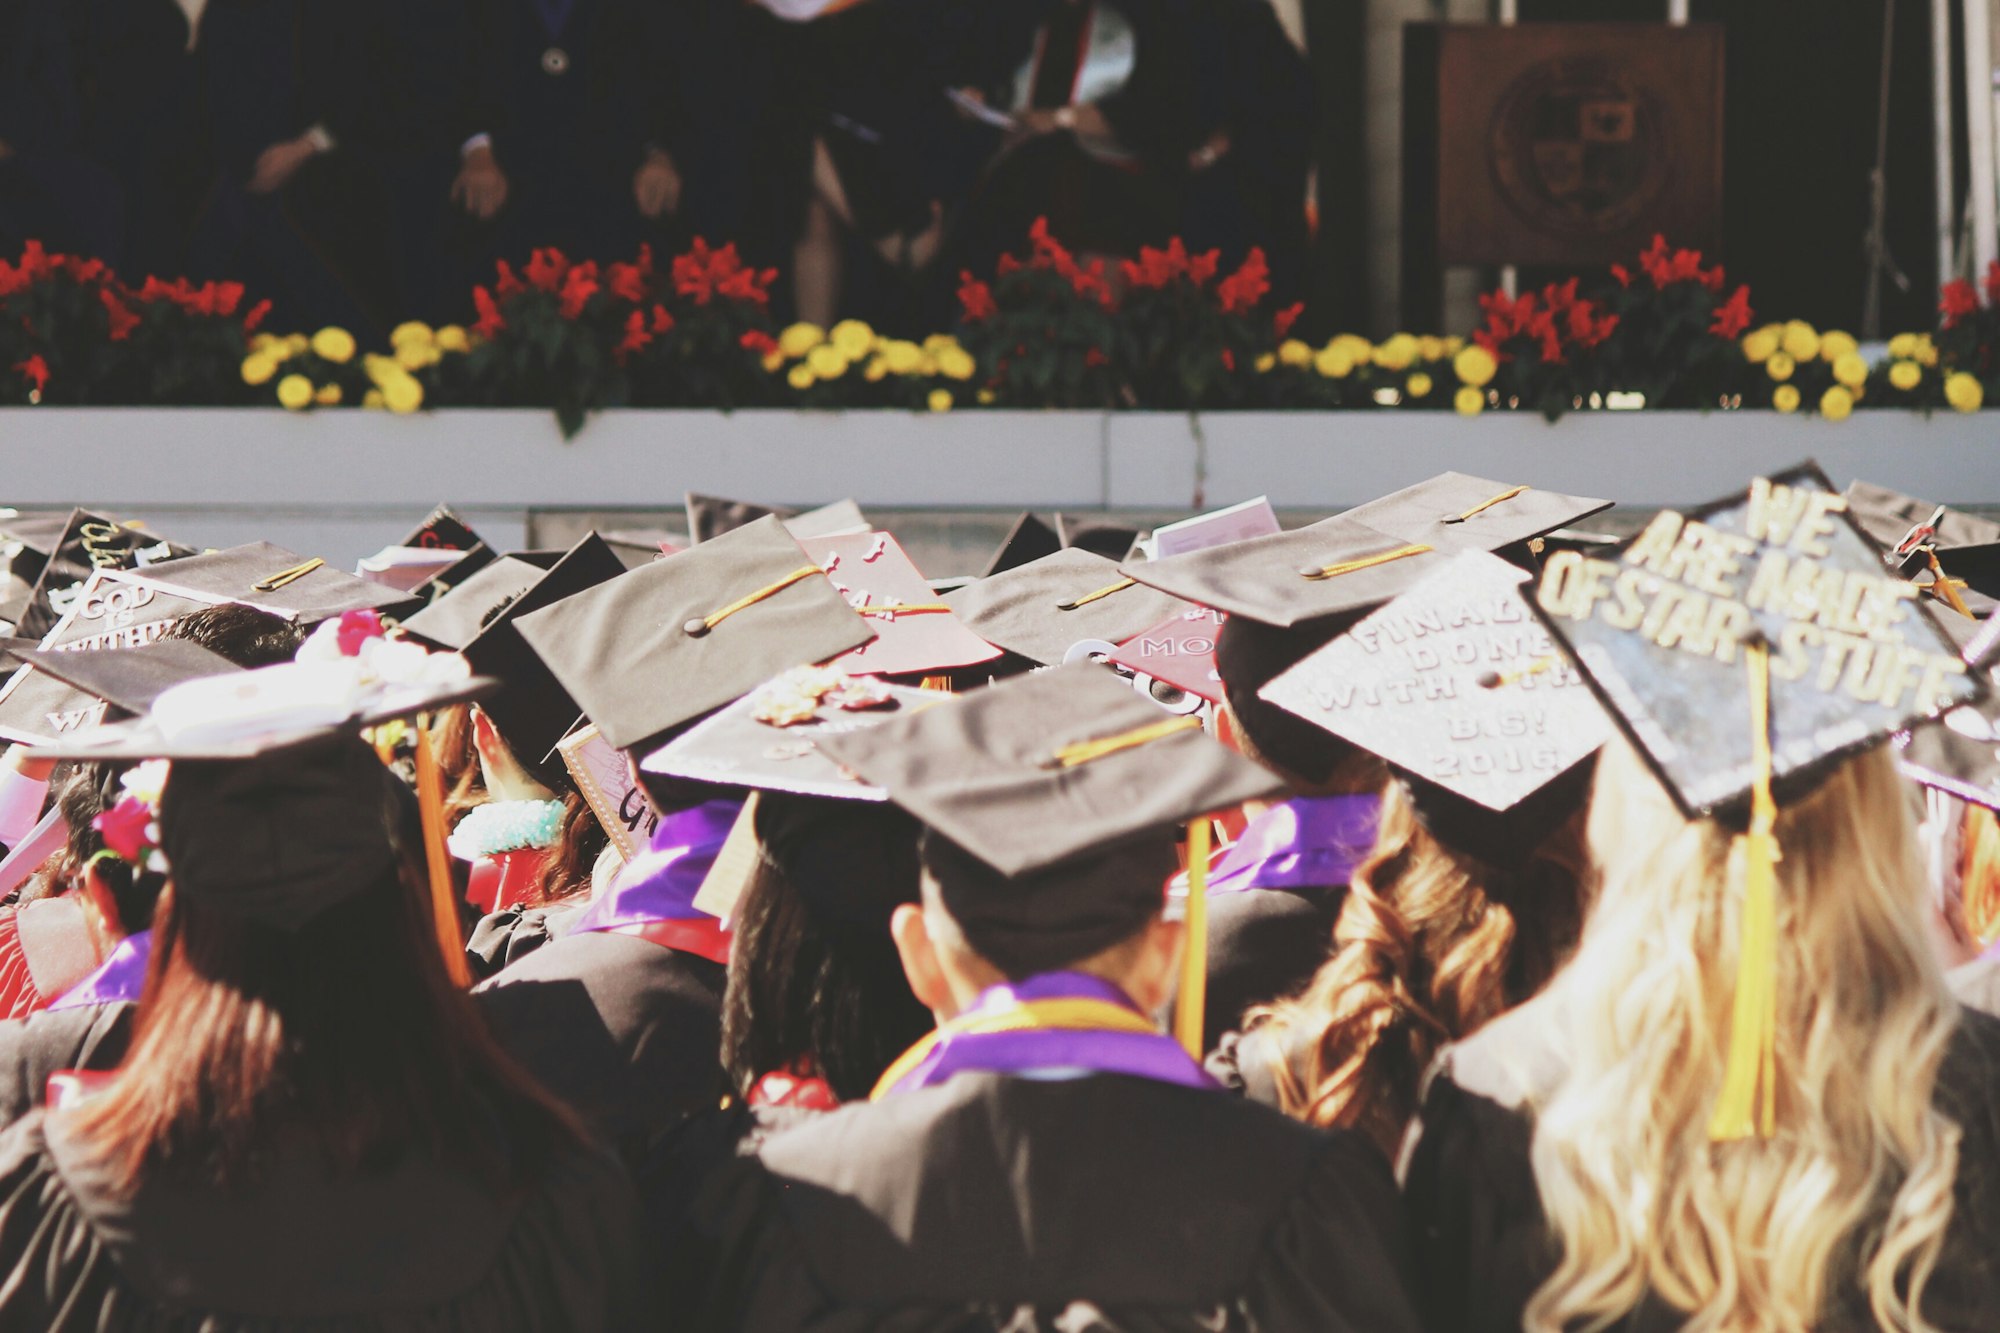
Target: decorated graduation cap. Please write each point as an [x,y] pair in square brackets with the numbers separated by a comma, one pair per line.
[660,646]
[271,578]
[1960,753]
[1044,609]
[1460,686]
[1180,650]
[442,530]
[1948,554]
[915,631]
[1745,647]
[89,543]
[1454,511]
[1028,540]
[1050,802]
[1113,541]
[770,738]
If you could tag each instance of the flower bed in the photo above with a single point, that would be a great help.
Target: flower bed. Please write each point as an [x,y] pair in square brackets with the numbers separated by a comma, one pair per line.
[1166,331]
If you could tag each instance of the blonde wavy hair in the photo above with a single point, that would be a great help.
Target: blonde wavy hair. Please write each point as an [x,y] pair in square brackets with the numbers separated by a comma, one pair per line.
[1430,946]
[1756,1234]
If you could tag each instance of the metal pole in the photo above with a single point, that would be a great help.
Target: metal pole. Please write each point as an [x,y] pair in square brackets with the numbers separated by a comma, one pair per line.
[1510,277]
[1879,261]
[1943,169]
[1677,13]
[1979,132]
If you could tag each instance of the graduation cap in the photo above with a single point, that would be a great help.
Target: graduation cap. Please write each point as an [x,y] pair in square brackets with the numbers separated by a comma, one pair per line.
[1960,753]
[915,632]
[709,516]
[840,518]
[88,543]
[442,530]
[456,617]
[1457,512]
[660,646]
[1027,541]
[1180,650]
[851,865]
[271,578]
[1113,541]
[1051,802]
[131,679]
[1772,602]
[1044,609]
[468,563]
[638,547]
[769,739]
[1897,522]
[1458,684]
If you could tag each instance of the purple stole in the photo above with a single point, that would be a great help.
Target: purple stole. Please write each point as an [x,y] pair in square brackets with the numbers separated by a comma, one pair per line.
[119,979]
[1308,842]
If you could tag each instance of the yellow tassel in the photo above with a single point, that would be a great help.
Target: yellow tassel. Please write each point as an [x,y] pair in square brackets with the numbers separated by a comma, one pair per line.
[1086,752]
[1365,562]
[697,628]
[1098,596]
[1747,1106]
[1944,587]
[444,908]
[1485,505]
[1190,1008]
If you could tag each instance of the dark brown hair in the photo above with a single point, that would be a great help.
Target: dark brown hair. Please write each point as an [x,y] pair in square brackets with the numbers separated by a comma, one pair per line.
[566,870]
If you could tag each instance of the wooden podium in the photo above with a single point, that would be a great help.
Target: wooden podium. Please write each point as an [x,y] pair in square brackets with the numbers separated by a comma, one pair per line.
[1563,144]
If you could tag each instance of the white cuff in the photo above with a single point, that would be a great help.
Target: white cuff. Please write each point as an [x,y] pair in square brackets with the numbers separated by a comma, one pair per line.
[21,799]
[475,143]
[320,139]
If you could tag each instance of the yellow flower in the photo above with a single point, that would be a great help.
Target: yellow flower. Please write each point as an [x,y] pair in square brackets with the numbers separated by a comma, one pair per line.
[937,342]
[1358,348]
[1836,404]
[1785,397]
[1800,342]
[986,397]
[955,363]
[876,371]
[854,338]
[903,357]
[297,344]
[800,338]
[271,345]
[1432,348]
[1964,392]
[1780,366]
[1334,362]
[1906,375]
[1265,363]
[373,400]
[1760,344]
[258,367]
[335,345]
[1469,402]
[1903,347]
[827,362]
[1833,345]
[453,338]
[295,392]
[1293,352]
[800,377]
[328,395]
[403,395]
[939,401]
[1927,352]
[379,367]
[1475,366]
[415,356]
[1452,345]
[1850,369]
[773,359]
[415,331]
[1418,385]
[1397,352]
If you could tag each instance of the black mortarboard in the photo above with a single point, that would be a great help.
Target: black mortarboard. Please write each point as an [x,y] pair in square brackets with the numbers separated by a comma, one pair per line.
[1026,542]
[756,741]
[455,619]
[272,579]
[443,530]
[1505,839]
[1288,578]
[89,542]
[1456,512]
[665,644]
[130,679]
[468,563]
[1667,633]
[1894,519]
[1043,609]
[1113,541]
[915,632]
[638,547]
[1975,575]
[1050,802]
[851,865]
[1457,682]
[709,516]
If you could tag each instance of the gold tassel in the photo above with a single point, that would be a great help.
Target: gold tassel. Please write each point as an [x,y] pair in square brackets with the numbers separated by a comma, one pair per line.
[1943,586]
[1190,1007]
[1748,1105]
[1089,752]
[444,908]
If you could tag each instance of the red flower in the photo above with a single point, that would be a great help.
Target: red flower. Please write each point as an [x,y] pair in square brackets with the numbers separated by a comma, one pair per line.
[663,320]
[636,337]
[36,372]
[35,261]
[508,284]
[491,321]
[256,316]
[121,316]
[1228,359]
[1281,323]
[124,828]
[758,342]
[626,282]
[1008,264]
[1733,316]
[227,296]
[81,270]
[357,628]
[1093,358]
[579,285]
[1958,301]
[976,298]
[545,269]
[1202,267]
[1239,293]
[1993,282]
[1623,274]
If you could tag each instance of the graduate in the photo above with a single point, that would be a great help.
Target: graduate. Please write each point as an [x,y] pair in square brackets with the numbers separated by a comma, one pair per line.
[272,1153]
[1749,1100]
[1049,1154]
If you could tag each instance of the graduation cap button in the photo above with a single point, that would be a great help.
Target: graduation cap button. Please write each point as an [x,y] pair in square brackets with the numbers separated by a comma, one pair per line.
[695,628]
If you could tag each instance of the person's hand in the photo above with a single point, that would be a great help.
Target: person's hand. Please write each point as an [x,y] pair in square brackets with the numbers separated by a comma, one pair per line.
[656,185]
[280,162]
[506,779]
[481,186]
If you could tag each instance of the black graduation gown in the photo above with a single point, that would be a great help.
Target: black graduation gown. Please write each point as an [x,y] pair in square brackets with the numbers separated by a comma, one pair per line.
[92,1037]
[414,1247]
[1482,1245]
[1263,944]
[625,1031]
[995,1202]
[503,938]
[48,191]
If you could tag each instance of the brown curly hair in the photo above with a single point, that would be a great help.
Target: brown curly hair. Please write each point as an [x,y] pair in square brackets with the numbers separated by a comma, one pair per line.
[1431,944]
